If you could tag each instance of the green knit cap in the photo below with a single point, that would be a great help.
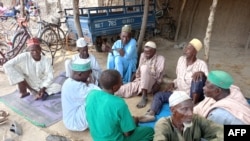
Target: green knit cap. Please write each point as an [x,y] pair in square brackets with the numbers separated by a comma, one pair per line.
[81,65]
[220,78]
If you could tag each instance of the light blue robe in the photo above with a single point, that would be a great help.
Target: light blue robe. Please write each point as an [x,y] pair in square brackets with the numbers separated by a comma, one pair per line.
[126,64]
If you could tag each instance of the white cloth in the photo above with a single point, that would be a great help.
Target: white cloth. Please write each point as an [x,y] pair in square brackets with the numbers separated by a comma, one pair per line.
[96,69]
[184,73]
[74,95]
[38,74]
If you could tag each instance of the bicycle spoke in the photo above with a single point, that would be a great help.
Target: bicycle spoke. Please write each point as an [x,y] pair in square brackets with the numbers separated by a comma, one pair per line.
[46,51]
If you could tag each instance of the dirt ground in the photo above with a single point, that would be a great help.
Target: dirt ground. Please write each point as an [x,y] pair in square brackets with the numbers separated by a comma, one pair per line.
[224,56]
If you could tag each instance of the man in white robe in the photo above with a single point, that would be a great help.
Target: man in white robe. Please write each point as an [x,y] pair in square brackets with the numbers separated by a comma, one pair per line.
[84,54]
[74,92]
[33,71]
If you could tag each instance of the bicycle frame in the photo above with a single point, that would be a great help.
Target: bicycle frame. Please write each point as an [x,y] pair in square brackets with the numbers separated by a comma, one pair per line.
[14,50]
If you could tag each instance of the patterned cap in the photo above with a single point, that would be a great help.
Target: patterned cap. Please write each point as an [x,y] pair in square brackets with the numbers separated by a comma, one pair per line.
[33,41]
[81,65]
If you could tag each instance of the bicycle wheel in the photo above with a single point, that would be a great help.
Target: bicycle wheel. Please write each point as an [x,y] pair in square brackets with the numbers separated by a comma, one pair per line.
[46,50]
[49,35]
[61,36]
[18,42]
[4,48]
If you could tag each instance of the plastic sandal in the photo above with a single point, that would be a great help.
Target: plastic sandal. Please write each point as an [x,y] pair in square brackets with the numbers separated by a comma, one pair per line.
[16,128]
[4,114]
[3,120]
[56,138]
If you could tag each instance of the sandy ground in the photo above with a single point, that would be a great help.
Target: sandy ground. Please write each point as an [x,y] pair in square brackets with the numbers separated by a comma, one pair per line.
[224,56]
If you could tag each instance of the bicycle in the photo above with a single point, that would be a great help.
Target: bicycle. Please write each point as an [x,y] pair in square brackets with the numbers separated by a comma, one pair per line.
[8,52]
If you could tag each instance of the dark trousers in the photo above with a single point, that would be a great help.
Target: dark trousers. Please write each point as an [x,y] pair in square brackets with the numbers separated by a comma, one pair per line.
[162,97]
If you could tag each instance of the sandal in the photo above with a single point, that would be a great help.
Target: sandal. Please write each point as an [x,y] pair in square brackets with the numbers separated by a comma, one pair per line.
[3,120]
[4,114]
[56,138]
[16,128]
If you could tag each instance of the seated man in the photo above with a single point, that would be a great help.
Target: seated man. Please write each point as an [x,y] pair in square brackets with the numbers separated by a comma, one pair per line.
[183,125]
[224,104]
[149,75]
[123,55]
[109,117]
[191,77]
[84,55]
[74,92]
[4,11]
[31,70]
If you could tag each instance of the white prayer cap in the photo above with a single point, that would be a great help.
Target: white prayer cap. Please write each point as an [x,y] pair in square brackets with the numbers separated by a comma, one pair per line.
[150,44]
[178,97]
[81,65]
[81,43]
[196,44]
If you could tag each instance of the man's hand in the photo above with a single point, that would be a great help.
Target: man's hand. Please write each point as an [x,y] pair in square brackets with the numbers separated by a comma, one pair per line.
[170,87]
[197,76]
[121,52]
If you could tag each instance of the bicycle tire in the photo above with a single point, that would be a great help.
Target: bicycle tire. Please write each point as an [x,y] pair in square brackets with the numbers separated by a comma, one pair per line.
[4,48]
[46,50]
[50,36]
[61,36]
[16,41]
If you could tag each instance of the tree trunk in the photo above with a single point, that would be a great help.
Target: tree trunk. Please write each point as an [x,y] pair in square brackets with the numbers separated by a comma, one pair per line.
[59,6]
[194,9]
[179,20]
[22,8]
[46,7]
[143,26]
[76,18]
[209,30]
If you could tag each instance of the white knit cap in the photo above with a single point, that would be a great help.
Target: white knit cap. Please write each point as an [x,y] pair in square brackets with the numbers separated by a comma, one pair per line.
[177,97]
[81,43]
[196,44]
[150,44]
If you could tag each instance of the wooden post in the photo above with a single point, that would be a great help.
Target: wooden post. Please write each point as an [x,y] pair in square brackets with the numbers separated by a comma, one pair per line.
[179,20]
[76,18]
[248,41]
[209,30]
[46,7]
[143,26]
[194,9]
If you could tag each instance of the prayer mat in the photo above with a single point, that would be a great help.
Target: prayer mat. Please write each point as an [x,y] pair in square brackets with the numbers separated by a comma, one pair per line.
[165,112]
[38,112]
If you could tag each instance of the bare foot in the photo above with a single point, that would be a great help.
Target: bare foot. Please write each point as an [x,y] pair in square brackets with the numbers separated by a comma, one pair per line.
[146,118]
[142,103]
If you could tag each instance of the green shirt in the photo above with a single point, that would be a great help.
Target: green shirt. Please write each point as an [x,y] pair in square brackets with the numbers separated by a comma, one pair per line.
[202,128]
[108,116]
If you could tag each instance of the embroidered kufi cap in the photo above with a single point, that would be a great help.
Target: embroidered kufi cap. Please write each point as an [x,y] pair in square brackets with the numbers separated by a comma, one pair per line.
[81,43]
[220,78]
[81,65]
[178,97]
[196,44]
[127,28]
[33,41]
[150,44]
